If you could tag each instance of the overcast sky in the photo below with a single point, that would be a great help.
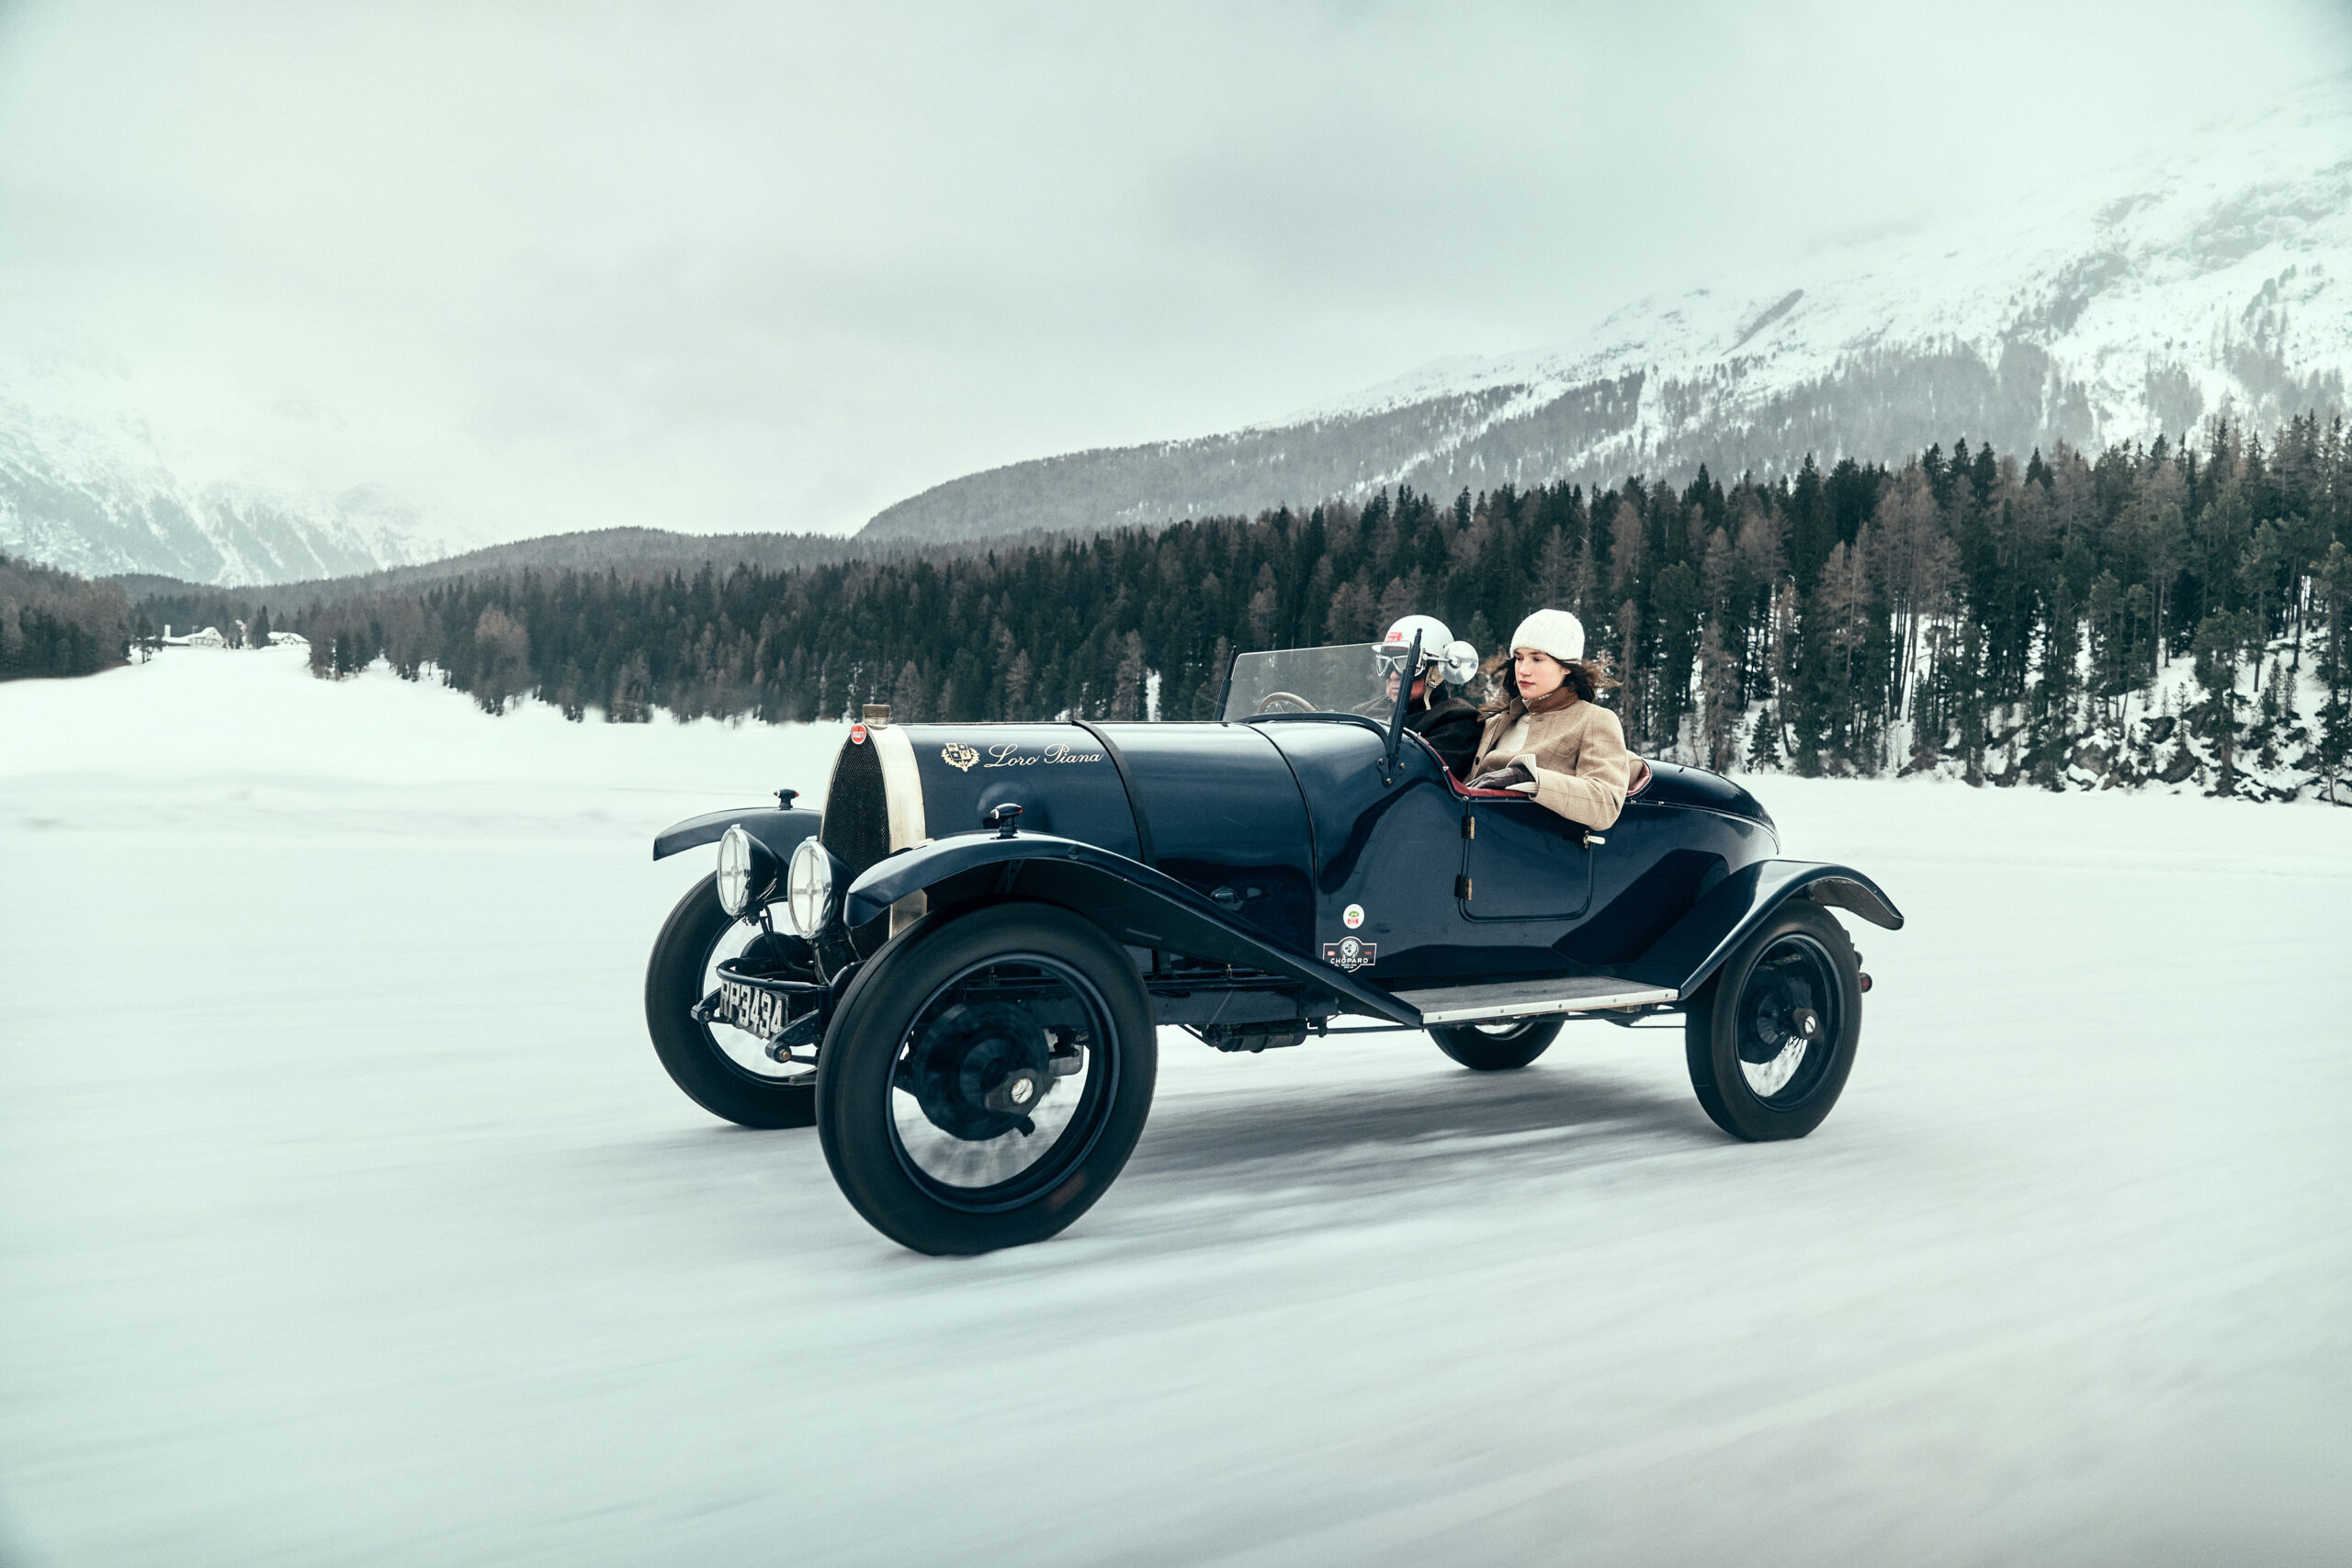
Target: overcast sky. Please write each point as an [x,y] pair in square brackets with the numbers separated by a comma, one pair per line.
[705,267]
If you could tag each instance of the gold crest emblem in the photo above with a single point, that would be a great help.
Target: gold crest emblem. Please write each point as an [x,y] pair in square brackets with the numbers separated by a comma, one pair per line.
[960,758]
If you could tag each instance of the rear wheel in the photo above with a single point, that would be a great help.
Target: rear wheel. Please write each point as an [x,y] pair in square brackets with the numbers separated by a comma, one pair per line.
[723,1069]
[986,1078]
[1771,1038]
[1497,1047]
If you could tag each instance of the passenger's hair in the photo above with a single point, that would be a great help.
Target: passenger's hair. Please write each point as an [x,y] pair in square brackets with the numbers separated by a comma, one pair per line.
[1588,676]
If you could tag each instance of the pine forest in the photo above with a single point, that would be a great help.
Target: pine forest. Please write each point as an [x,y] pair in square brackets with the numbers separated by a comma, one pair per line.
[2173,612]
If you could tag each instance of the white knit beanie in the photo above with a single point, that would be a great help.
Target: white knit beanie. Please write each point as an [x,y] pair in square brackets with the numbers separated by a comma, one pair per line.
[1555,632]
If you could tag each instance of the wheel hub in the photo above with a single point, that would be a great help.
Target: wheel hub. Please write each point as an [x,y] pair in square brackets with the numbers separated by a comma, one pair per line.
[981,1069]
[1017,1093]
[1784,1016]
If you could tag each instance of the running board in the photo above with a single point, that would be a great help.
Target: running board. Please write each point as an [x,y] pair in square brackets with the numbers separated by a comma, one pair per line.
[1532,998]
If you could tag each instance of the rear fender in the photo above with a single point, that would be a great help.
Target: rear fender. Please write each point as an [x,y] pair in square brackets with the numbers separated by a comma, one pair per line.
[781,831]
[1695,946]
[1136,905]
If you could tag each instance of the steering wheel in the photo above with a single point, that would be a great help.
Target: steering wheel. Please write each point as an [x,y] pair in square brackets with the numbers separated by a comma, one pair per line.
[1266,704]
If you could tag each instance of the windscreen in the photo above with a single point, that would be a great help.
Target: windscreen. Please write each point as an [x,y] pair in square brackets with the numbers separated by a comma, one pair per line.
[1345,679]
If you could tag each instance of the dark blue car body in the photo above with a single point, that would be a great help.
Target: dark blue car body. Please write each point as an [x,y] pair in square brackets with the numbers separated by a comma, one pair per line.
[1255,849]
[987,927]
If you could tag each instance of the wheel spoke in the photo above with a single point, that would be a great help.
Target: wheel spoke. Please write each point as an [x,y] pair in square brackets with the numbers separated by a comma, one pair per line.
[1787,1020]
[1768,1079]
[997,1083]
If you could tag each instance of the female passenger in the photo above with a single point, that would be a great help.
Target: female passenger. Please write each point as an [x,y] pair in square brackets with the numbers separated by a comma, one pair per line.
[1544,734]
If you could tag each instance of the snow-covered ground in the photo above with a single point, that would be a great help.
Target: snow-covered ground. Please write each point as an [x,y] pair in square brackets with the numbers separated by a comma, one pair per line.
[346,1216]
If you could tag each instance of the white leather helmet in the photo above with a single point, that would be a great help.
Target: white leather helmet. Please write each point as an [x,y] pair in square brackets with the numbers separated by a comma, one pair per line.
[1457,660]
[1555,632]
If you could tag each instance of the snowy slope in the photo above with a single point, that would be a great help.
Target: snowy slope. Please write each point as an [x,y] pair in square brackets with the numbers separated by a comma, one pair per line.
[91,489]
[2220,279]
[345,1215]
[2214,279]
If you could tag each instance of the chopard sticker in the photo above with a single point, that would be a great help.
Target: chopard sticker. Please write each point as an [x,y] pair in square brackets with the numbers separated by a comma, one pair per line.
[960,758]
[1352,916]
[1350,952]
[857,735]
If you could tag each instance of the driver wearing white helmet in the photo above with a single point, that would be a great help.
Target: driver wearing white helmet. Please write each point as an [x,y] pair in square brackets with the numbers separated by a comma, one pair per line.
[1450,725]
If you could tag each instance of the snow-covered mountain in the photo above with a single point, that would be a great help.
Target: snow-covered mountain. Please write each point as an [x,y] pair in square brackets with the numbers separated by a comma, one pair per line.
[2212,278]
[2215,279]
[96,496]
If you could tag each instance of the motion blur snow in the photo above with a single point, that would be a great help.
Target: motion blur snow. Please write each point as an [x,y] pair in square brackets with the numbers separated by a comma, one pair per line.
[345,1214]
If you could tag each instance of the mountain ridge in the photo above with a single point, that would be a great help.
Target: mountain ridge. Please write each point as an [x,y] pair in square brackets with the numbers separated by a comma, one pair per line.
[630,552]
[2210,285]
[96,497]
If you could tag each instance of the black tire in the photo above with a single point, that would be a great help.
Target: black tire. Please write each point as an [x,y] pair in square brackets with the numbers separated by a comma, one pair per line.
[917,1037]
[1497,1047]
[675,979]
[1757,1073]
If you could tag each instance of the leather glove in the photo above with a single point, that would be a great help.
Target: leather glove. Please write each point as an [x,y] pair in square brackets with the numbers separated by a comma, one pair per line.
[1504,778]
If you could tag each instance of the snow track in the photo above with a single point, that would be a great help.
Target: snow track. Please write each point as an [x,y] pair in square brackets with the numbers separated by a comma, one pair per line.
[346,1216]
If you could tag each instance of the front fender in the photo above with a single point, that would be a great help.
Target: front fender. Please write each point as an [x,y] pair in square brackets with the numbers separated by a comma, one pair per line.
[1135,904]
[1696,945]
[779,830]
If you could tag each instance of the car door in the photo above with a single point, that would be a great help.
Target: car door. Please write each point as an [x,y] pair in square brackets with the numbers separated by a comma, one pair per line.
[1521,862]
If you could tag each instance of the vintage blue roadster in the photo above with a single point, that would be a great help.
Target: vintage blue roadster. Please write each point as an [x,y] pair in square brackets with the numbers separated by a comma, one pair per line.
[957,970]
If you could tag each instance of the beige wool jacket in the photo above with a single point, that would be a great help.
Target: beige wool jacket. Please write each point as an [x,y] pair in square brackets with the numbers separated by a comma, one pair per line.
[1576,753]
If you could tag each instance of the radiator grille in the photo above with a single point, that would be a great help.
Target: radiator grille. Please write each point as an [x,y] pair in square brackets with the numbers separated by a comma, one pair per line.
[857,812]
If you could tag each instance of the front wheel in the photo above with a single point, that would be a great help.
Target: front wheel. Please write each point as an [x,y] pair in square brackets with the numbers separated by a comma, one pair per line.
[1771,1038]
[1497,1047]
[723,1069]
[985,1078]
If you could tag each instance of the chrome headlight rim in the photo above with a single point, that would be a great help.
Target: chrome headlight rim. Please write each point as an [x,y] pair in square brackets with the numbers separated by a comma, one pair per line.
[808,889]
[734,874]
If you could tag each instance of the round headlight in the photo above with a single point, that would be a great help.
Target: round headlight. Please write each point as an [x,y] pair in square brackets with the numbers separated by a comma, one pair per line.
[808,889]
[734,870]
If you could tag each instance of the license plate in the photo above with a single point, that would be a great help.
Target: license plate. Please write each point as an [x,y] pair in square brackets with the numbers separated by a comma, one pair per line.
[749,1008]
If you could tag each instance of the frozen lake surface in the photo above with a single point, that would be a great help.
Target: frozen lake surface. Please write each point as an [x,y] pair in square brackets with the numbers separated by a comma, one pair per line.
[346,1216]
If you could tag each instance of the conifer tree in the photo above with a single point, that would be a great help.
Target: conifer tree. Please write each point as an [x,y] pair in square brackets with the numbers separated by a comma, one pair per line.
[1837,609]
[2333,600]
[2218,649]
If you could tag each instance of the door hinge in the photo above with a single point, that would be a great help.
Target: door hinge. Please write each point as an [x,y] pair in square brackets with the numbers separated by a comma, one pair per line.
[1462,888]
[1469,827]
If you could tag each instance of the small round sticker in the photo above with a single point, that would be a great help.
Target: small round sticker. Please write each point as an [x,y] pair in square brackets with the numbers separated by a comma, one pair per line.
[857,735]
[1352,916]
